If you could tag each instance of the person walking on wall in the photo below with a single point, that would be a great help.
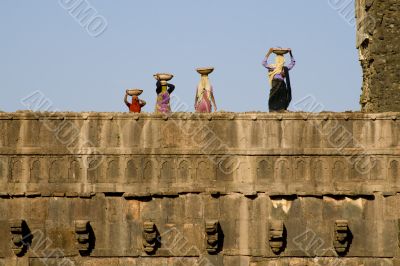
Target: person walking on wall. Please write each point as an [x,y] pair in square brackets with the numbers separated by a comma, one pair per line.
[204,96]
[281,93]
[136,105]
[163,91]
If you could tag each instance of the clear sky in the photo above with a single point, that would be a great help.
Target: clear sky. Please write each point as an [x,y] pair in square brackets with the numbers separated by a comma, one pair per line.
[44,47]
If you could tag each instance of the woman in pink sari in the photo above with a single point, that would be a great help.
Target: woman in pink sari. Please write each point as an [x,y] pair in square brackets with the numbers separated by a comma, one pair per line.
[204,96]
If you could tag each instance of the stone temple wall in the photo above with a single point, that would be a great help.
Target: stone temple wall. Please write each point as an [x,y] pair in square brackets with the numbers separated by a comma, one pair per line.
[223,189]
[378,41]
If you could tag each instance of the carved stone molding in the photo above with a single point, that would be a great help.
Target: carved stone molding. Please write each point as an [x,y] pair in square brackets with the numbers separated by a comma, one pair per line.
[17,170]
[150,237]
[75,170]
[58,171]
[283,170]
[205,170]
[184,170]
[95,171]
[150,169]
[342,237]
[132,171]
[265,170]
[84,236]
[277,236]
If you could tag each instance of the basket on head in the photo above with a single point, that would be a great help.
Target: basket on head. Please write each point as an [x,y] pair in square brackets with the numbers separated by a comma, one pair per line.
[205,70]
[280,51]
[134,92]
[163,76]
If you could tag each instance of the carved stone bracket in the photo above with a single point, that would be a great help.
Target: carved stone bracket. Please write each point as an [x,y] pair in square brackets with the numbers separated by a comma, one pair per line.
[277,236]
[84,236]
[21,237]
[150,237]
[213,236]
[342,237]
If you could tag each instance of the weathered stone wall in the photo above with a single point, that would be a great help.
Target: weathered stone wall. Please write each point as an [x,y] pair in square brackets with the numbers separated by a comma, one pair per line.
[378,41]
[249,174]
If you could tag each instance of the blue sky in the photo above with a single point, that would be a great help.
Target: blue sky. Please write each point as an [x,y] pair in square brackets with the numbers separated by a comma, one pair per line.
[44,47]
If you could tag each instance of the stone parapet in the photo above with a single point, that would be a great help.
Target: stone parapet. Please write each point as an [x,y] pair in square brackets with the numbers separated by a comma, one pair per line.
[250,153]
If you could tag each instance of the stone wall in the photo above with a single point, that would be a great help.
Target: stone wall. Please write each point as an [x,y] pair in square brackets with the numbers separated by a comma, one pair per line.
[378,41]
[223,189]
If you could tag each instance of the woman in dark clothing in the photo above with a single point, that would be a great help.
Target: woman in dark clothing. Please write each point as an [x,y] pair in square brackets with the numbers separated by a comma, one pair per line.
[281,93]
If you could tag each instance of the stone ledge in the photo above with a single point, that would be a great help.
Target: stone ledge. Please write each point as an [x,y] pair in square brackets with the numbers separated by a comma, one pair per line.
[28,115]
[214,194]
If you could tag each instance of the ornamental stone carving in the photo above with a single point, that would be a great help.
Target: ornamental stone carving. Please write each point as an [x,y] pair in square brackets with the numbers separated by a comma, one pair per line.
[213,236]
[277,236]
[150,238]
[21,237]
[84,236]
[342,237]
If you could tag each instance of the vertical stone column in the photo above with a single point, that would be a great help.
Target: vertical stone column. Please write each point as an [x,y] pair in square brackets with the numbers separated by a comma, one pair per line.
[378,42]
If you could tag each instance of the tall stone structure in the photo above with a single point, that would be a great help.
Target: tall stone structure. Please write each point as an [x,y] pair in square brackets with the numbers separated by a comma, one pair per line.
[378,41]
[224,189]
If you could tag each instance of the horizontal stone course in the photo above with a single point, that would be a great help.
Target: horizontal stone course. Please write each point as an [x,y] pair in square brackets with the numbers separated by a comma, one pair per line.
[117,224]
[343,153]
